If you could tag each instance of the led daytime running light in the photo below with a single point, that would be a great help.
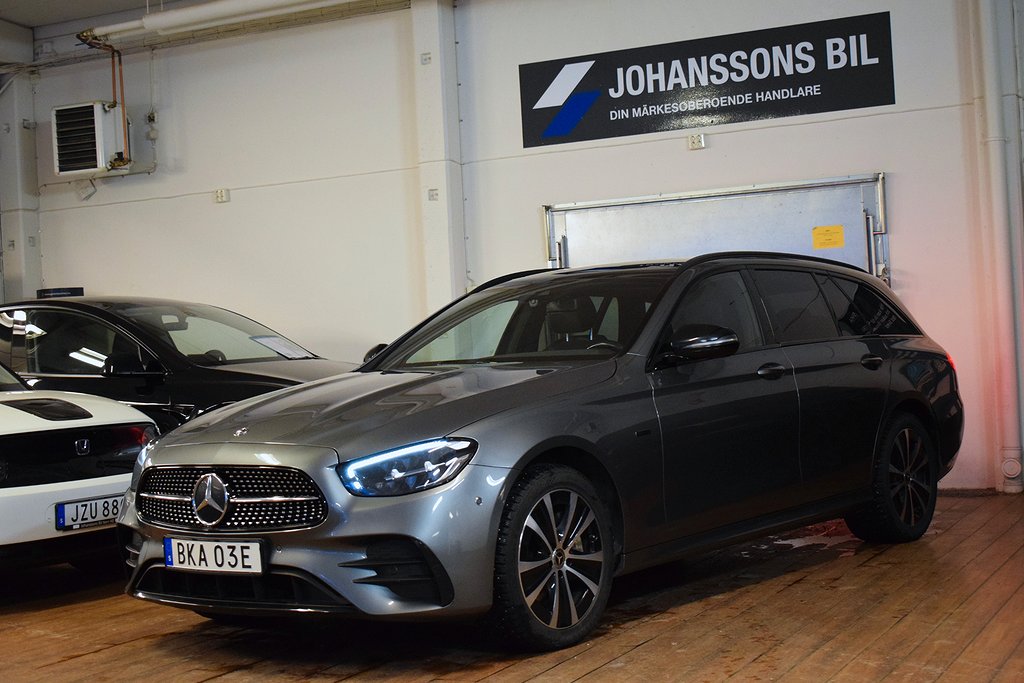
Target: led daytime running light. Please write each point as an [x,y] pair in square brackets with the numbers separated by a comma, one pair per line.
[422,471]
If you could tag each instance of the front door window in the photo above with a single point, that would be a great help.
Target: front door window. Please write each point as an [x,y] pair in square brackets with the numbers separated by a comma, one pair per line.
[65,343]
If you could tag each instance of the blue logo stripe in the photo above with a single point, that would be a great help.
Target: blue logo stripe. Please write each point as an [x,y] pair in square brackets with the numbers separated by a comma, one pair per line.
[571,114]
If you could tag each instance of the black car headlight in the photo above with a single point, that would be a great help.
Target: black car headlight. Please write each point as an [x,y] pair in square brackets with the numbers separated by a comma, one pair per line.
[407,469]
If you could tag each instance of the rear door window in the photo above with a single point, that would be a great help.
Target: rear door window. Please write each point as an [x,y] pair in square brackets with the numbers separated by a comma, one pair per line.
[851,322]
[796,306]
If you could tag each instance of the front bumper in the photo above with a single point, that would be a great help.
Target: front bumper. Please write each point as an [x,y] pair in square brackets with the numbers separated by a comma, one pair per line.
[29,533]
[423,554]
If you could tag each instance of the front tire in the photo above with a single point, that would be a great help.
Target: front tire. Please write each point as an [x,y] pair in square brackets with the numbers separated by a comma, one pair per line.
[904,485]
[553,562]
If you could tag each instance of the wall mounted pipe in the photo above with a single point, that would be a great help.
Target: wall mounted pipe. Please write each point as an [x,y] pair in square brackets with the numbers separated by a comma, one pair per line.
[1007,252]
[207,15]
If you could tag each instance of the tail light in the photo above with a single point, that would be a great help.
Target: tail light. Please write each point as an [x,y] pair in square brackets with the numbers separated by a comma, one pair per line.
[131,439]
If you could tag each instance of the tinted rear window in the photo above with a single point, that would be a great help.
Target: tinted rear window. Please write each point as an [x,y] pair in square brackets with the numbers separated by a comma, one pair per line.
[867,312]
[796,307]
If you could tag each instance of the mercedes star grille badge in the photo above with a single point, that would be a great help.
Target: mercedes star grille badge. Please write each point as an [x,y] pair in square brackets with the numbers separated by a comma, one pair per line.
[210,499]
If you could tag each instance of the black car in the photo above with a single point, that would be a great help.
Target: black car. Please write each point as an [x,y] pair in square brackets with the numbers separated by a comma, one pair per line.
[170,359]
[548,431]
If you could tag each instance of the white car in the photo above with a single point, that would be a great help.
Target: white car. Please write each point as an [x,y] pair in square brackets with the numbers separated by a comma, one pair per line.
[65,462]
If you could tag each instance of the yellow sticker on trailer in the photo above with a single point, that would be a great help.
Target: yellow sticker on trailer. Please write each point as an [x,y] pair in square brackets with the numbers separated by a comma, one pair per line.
[828,237]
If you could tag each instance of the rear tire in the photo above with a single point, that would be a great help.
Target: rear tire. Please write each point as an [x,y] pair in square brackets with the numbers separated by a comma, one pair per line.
[554,560]
[904,485]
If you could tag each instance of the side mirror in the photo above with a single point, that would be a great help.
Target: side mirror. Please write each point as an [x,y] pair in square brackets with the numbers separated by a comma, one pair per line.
[698,342]
[374,351]
[129,365]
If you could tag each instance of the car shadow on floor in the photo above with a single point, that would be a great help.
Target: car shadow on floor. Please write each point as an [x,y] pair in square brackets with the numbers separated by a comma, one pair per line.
[31,588]
[325,646]
[720,572]
[318,646]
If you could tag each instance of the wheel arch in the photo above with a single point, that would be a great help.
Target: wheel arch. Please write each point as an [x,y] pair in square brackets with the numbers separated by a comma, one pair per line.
[588,464]
[915,407]
[901,503]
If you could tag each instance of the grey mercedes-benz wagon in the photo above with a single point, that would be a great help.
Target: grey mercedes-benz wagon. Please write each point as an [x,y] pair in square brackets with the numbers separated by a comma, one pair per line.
[548,431]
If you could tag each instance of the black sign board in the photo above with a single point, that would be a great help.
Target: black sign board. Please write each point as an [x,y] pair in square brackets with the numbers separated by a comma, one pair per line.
[804,69]
[59,291]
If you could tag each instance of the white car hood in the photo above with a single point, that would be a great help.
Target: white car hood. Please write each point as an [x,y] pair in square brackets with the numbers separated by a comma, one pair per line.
[18,420]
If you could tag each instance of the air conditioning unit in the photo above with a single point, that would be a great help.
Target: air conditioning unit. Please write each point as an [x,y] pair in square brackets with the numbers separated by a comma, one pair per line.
[86,138]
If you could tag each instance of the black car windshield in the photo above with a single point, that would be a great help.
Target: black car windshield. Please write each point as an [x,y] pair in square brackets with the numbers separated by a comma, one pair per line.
[558,316]
[208,335]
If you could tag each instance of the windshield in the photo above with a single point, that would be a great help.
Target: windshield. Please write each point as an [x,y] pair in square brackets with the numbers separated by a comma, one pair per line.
[553,317]
[208,335]
[9,381]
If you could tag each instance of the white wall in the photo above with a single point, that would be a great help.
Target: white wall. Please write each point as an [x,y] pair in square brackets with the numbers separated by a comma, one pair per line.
[927,144]
[309,129]
[313,131]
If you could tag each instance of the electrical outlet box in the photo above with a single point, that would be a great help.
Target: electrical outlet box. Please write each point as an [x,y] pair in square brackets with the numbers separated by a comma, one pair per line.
[222,196]
[696,141]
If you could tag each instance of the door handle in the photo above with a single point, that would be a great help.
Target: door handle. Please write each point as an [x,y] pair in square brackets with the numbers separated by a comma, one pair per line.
[771,371]
[872,362]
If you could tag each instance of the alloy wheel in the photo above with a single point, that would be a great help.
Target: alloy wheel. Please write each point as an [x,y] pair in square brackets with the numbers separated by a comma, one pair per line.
[561,559]
[910,477]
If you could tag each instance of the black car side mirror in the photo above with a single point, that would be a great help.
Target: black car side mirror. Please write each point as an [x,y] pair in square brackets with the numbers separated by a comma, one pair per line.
[374,351]
[698,342]
[128,365]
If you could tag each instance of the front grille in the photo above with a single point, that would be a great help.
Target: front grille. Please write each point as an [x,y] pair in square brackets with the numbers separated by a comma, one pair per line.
[261,499]
[278,589]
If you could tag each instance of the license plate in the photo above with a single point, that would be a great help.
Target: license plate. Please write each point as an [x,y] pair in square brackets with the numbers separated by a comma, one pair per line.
[236,557]
[82,514]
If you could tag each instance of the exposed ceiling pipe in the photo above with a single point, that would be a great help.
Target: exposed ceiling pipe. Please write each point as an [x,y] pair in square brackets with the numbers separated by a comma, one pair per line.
[123,158]
[207,15]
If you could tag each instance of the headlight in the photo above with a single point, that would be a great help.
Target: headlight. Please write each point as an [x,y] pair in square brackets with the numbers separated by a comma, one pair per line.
[407,469]
[140,462]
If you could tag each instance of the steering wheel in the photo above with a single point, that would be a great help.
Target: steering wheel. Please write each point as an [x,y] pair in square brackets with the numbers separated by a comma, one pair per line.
[605,345]
[217,355]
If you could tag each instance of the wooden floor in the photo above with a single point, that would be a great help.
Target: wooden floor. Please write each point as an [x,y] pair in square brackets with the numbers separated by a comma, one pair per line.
[816,605]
